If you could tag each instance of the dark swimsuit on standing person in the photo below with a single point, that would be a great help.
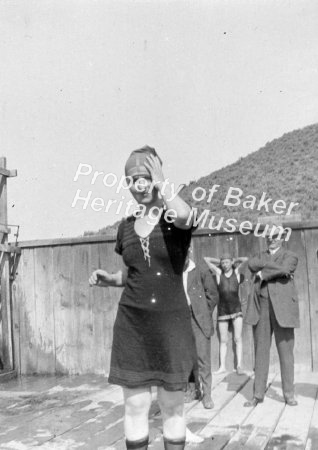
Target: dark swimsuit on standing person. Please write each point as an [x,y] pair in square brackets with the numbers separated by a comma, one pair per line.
[153,344]
[229,306]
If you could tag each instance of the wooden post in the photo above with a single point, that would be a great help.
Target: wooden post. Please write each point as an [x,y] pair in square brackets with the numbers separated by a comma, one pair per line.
[6,342]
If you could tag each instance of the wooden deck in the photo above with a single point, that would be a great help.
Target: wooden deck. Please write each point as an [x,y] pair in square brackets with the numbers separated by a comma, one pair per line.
[84,412]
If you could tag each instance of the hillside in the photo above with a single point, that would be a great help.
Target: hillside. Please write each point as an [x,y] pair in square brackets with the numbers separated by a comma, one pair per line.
[285,169]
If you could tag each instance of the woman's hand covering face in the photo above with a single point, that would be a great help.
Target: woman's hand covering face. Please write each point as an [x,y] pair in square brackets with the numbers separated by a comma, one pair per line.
[153,165]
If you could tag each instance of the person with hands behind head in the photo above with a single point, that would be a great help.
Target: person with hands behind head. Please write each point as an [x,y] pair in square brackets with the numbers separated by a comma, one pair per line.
[153,343]
[273,308]
[226,270]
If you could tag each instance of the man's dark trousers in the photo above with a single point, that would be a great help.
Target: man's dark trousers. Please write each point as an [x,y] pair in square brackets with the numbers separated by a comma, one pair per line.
[284,338]
[203,294]
[203,347]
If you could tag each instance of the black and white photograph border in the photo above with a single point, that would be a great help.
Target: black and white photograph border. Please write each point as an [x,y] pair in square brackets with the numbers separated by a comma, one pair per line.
[158,158]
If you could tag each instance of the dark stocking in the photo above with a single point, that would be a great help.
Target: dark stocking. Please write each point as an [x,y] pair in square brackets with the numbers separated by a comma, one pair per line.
[174,444]
[141,444]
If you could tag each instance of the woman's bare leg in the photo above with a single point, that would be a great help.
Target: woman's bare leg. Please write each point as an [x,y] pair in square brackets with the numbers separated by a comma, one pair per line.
[173,414]
[137,404]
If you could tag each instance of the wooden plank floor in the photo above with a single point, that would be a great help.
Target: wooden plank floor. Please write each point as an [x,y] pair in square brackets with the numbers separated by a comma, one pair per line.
[86,413]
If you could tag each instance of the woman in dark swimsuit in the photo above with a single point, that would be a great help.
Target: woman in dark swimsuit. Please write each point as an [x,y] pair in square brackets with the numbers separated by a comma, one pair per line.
[153,343]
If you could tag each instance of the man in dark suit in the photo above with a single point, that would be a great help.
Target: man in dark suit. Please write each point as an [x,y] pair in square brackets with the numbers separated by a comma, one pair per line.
[273,307]
[202,296]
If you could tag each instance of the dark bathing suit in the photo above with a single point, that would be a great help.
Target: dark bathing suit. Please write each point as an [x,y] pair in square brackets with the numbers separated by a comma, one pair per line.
[153,344]
[229,306]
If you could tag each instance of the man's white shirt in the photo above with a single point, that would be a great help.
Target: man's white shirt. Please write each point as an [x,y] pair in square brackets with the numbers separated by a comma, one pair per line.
[191,266]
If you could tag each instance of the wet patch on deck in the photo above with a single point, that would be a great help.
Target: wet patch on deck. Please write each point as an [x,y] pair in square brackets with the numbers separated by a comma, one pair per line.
[86,413]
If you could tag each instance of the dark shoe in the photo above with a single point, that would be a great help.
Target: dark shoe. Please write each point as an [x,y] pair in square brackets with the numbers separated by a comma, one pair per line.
[254,402]
[291,401]
[207,402]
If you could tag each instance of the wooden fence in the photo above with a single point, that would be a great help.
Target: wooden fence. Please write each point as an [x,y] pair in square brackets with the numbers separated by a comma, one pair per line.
[62,326]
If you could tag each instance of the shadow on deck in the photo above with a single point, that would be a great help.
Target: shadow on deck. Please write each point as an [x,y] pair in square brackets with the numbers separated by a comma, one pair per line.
[84,412]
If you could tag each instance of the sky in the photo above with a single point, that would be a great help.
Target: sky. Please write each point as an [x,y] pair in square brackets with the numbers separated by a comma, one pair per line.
[85,82]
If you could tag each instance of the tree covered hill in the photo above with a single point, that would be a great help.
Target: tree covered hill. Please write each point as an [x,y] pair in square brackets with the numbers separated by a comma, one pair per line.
[285,169]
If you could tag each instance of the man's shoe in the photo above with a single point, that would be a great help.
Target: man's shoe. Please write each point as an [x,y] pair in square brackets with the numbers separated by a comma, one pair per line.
[291,402]
[254,402]
[207,402]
